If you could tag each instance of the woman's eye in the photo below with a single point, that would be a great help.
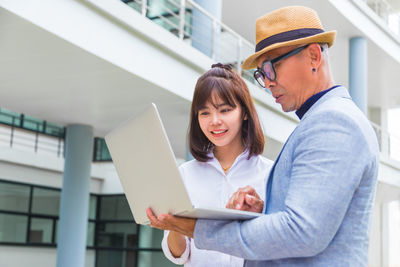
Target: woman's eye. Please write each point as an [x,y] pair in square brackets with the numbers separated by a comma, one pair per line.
[226,110]
[204,113]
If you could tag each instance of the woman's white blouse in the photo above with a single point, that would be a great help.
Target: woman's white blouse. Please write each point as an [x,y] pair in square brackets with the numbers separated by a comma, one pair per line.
[209,186]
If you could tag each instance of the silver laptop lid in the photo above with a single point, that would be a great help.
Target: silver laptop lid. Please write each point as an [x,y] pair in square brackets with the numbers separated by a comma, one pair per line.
[146,166]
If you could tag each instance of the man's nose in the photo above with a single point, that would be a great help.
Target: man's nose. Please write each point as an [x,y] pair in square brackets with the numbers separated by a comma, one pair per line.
[269,84]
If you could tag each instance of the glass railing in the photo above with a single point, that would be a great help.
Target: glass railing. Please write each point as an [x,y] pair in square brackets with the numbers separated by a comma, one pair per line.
[183,18]
[22,121]
[389,15]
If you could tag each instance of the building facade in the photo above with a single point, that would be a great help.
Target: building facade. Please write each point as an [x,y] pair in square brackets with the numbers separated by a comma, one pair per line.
[74,70]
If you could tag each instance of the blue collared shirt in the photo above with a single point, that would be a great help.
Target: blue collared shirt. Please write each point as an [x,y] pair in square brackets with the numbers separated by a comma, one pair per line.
[311,101]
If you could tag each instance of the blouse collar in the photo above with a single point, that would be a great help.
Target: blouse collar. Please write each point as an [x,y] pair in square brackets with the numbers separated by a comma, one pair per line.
[215,163]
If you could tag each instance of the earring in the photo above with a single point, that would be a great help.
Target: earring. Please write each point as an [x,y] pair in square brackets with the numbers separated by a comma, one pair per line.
[313,70]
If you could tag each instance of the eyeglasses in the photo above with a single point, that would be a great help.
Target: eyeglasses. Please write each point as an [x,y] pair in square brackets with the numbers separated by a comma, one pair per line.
[267,69]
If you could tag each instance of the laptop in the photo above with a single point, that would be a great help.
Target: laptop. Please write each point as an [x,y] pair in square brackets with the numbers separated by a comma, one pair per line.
[149,175]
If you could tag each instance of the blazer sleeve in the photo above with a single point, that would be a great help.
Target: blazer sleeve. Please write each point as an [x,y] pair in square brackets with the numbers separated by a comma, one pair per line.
[185,255]
[329,159]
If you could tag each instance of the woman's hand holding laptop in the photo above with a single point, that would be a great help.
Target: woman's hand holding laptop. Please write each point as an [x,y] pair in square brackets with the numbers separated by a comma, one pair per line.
[245,198]
[170,222]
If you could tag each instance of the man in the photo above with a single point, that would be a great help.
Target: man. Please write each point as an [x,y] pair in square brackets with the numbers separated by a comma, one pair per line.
[321,188]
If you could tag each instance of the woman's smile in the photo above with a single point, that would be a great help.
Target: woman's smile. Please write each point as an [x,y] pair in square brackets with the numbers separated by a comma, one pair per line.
[218,133]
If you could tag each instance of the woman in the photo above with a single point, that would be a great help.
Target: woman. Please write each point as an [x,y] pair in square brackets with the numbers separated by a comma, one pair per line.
[226,140]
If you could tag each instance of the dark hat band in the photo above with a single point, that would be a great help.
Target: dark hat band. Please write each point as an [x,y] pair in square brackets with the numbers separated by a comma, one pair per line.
[287,36]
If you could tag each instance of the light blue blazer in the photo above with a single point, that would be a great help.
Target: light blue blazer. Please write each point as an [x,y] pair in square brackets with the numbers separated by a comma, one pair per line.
[321,195]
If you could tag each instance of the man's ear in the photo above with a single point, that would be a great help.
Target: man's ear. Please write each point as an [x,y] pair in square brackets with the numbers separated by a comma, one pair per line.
[315,55]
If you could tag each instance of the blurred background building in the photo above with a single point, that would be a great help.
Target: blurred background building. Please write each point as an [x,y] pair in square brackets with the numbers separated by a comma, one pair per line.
[71,70]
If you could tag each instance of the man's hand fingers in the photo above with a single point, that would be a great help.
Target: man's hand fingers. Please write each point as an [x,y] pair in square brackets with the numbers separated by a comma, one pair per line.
[249,190]
[234,200]
[255,204]
[250,200]
[240,201]
[230,204]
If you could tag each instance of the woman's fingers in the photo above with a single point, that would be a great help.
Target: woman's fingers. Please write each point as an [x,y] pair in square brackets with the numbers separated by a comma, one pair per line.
[170,222]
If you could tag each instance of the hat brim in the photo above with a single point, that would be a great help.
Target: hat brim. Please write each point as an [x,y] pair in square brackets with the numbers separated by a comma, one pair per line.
[325,37]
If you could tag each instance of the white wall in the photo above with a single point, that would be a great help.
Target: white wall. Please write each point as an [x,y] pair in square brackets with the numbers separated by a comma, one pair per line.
[16,256]
[110,181]
[394,233]
[385,228]
[374,252]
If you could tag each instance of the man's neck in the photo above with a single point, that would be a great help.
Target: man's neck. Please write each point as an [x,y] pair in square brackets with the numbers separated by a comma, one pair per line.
[325,82]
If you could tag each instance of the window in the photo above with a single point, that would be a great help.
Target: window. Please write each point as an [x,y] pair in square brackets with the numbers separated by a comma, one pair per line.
[152,258]
[46,201]
[14,197]
[110,258]
[29,215]
[115,208]
[117,235]
[92,207]
[13,228]
[90,234]
[101,152]
[41,230]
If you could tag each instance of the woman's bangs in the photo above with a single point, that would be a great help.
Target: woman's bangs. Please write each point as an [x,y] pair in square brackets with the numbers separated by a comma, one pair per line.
[213,89]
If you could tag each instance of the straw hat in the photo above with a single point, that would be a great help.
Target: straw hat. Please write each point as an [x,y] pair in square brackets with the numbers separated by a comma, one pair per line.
[287,26]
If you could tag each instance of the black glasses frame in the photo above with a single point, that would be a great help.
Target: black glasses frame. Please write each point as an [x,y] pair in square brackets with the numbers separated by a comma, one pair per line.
[260,71]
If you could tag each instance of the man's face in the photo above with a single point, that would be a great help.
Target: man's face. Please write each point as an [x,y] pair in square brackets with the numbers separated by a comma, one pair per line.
[290,88]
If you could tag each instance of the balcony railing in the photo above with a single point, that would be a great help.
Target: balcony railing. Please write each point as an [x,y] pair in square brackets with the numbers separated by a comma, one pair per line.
[25,140]
[30,134]
[183,18]
[389,15]
[389,144]
[24,133]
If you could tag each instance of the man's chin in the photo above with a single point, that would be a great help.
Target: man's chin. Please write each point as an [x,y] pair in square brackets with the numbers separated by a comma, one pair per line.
[287,109]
